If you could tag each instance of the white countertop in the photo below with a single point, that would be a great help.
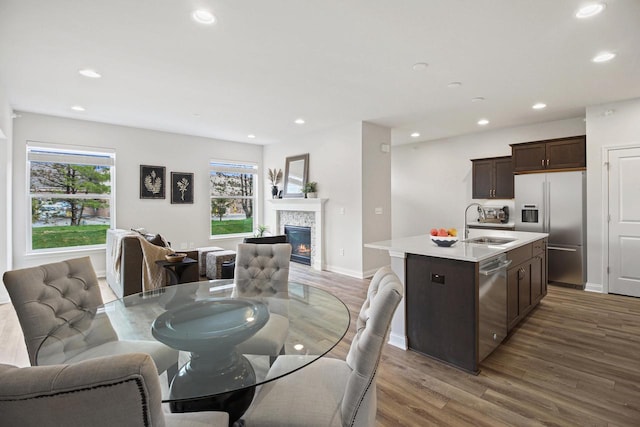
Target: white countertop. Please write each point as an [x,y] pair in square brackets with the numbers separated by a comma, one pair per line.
[422,245]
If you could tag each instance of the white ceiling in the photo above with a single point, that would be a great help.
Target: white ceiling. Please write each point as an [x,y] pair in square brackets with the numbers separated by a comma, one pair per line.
[267,62]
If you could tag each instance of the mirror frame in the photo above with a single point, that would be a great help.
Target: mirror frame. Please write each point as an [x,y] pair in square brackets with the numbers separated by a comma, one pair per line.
[305,159]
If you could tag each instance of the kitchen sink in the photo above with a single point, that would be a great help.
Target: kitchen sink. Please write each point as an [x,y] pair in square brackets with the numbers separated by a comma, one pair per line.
[489,240]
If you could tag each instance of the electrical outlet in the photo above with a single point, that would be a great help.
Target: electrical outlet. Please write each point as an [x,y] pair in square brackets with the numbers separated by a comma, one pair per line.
[341,252]
[378,211]
[341,211]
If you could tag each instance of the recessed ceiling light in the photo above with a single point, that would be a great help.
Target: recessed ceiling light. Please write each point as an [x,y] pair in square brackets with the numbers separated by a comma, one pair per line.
[420,66]
[203,17]
[415,134]
[299,121]
[77,108]
[454,84]
[251,136]
[477,99]
[88,72]
[539,106]
[590,10]
[483,122]
[604,57]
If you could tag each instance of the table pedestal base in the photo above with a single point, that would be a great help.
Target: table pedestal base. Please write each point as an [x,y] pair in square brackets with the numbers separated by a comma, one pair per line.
[235,403]
[195,378]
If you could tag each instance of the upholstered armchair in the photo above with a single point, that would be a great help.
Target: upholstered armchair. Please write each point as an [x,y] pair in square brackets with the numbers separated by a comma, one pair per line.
[56,306]
[263,270]
[333,392]
[121,390]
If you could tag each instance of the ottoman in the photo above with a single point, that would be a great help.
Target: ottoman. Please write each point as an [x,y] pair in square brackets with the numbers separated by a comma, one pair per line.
[202,257]
[215,260]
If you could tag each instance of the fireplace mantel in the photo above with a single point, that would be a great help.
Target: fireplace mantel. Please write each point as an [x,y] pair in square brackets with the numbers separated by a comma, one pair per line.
[304,205]
[314,205]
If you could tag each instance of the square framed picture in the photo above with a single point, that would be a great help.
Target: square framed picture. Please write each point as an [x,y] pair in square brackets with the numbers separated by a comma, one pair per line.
[152,182]
[181,187]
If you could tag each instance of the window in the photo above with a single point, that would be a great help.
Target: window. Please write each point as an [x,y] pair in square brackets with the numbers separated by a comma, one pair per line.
[232,188]
[71,197]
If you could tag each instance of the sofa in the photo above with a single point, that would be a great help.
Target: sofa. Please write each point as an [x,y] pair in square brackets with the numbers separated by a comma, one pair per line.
[127,280]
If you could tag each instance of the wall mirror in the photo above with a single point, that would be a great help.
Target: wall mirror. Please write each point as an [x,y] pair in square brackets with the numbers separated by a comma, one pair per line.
[295,175]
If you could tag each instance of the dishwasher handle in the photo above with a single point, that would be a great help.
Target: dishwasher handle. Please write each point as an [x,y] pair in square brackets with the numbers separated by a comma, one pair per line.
[501,266]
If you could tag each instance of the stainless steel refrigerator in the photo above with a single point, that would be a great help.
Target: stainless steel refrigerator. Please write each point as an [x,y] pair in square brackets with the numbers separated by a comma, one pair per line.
[555,203]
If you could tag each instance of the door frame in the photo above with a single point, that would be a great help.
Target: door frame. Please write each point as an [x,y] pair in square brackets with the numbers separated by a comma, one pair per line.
[605,209]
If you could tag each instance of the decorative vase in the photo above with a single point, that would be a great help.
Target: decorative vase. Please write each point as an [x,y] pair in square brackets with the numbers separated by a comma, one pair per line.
[274,191]
[312,195]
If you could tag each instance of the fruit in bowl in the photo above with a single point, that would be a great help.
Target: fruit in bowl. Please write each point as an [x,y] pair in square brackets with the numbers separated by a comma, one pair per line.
[444,237]
[177,257]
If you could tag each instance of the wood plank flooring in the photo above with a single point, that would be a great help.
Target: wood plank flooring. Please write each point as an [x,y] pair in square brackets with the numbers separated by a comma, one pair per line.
[575,361]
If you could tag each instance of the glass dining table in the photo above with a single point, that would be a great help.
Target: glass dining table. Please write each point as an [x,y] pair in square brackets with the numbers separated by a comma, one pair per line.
[205,321]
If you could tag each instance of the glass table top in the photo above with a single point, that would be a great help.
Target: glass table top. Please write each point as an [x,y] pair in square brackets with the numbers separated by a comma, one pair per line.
[196,318]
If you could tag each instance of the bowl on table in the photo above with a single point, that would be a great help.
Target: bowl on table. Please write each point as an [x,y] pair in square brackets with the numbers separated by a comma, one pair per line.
[444,241]
[176,257]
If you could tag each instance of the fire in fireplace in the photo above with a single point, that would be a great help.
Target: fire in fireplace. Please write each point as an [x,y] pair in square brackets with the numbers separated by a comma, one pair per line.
[300,239]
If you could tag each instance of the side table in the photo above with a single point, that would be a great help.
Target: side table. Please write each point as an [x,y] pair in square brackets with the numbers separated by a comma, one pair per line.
[177,269]
[215,261]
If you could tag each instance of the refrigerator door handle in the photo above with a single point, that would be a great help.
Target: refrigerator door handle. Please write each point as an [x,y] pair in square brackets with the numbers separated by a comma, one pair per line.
[555,248]
[548,209]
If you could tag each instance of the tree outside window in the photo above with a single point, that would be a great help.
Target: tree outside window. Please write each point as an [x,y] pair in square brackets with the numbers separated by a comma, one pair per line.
[232,188]
[71,196]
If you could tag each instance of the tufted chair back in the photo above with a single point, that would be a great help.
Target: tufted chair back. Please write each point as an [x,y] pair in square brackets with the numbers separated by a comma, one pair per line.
[262,270]
[55,306]
[372,328]
[120,390]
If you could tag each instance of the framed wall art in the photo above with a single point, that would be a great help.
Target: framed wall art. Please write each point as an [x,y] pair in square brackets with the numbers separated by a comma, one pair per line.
[181,187]
[152,182]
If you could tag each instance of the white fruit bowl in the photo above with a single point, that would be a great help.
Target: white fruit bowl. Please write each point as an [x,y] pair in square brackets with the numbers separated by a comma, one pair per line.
[444,241]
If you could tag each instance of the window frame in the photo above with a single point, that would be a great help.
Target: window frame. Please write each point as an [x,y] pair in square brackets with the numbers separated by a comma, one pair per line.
[219,165]
[72,154]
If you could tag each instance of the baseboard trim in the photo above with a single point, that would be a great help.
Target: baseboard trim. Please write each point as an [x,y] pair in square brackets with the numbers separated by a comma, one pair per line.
[345,271]
[594,287]
[398,341]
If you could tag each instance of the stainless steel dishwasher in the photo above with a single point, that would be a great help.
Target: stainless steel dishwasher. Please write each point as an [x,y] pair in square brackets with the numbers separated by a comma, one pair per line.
[492,312]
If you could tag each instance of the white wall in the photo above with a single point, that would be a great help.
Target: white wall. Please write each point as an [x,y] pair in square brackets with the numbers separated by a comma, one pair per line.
[376,194]
[431,181]
[335,163]
[181,224]
[604,130]
[5,189]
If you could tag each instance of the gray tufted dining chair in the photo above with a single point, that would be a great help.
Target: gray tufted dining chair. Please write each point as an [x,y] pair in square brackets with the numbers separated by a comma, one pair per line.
[122,390]
[333,392]
[262,270]
[56,306]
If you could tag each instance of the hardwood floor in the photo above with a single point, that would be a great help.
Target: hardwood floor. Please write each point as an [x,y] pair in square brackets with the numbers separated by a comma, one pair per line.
[574,361]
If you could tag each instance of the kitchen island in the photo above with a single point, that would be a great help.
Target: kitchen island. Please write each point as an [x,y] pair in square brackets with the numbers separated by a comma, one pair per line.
[461,301]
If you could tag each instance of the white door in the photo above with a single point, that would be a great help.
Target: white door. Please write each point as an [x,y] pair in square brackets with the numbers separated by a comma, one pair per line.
[624,221]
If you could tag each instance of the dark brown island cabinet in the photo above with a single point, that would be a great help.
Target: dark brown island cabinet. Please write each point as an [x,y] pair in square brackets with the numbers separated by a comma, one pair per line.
[550,155]
[443,302]
[492,178]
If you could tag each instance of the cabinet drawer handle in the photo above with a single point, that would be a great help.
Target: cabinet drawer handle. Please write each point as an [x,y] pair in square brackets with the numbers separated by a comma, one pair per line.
[542,162]
[547,162]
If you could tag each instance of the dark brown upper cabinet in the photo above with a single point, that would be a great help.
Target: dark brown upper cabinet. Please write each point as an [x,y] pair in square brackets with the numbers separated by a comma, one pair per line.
[552,154]
[493,178]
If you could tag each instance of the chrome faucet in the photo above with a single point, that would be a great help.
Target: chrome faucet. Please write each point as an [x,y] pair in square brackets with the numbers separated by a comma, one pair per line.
[480,212]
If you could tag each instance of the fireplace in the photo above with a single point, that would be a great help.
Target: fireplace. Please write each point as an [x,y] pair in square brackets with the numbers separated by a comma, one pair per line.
[300,239]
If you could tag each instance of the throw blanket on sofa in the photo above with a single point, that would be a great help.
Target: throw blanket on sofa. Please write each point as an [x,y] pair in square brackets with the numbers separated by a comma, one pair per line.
[153,275]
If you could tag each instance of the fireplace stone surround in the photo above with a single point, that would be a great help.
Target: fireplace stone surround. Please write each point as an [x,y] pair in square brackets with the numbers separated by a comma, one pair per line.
[306,213]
